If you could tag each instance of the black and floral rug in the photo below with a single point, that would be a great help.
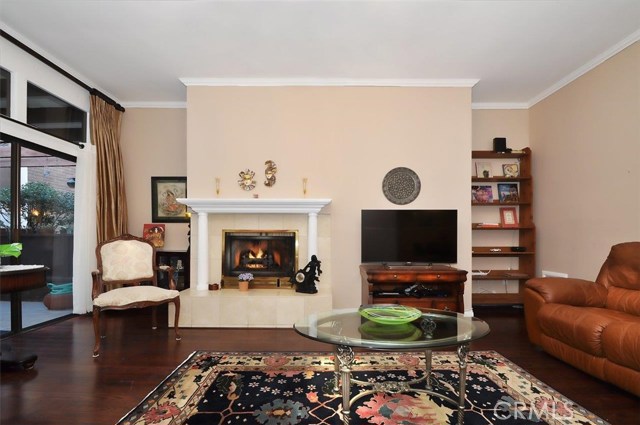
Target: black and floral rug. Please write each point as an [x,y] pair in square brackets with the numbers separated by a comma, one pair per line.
[297,388]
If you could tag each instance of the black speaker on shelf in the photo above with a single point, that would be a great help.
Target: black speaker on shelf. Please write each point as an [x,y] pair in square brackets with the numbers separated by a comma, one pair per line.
[500,145]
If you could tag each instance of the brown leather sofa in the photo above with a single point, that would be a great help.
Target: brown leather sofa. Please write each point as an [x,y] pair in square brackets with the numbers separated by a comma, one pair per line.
[594,326]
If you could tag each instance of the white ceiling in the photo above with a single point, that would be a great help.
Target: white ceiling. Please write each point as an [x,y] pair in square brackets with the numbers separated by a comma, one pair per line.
[142,51]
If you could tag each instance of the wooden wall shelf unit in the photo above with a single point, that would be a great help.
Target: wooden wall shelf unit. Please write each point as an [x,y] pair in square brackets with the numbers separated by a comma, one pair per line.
[521,235]
[439,287]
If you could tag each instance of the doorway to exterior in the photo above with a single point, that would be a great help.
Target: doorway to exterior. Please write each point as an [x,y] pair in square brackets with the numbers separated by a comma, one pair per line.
[37,209]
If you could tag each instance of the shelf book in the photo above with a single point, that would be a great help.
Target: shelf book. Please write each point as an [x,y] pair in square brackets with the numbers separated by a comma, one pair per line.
[482,194]
[508,192]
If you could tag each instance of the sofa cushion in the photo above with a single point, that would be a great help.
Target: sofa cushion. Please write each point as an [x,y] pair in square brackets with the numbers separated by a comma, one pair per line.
[134,294]
[621,342]
[579,327]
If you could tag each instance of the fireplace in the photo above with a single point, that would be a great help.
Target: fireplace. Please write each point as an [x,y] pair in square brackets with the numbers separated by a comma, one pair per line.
[270,255]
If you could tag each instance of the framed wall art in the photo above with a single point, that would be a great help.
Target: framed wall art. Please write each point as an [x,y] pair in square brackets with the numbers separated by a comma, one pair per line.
[164,205]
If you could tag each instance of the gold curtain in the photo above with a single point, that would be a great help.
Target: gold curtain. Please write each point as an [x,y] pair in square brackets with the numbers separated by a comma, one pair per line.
[110,191]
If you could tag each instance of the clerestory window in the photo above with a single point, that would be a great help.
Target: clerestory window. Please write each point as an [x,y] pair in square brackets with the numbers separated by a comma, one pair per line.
[5,92]
[55,116]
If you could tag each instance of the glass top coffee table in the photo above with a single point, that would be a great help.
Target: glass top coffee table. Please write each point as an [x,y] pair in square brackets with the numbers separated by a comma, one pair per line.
[346,329]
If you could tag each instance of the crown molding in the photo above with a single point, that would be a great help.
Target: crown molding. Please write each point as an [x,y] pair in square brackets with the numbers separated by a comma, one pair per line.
[607,54]
[499,106]
[326,82]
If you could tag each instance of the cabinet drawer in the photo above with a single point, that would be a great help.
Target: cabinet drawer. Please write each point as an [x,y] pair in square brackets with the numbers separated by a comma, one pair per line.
[391,277]
[408,301]
[440,277]
[445,305]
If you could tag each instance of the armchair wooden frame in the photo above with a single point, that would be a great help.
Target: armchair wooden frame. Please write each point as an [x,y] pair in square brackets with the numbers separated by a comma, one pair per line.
[122,296]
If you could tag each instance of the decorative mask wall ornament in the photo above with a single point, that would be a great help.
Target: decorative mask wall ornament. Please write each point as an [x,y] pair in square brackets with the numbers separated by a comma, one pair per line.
[246,181]
[270,173]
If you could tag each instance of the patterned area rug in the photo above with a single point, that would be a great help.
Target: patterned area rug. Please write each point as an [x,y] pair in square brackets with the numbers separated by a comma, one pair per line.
[297,388]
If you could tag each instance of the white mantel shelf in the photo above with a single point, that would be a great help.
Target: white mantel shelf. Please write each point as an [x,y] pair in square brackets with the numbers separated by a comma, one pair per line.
[205,206]
[255,206]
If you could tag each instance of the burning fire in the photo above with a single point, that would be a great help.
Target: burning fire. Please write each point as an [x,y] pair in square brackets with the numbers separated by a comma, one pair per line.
[256,255]
[260,254]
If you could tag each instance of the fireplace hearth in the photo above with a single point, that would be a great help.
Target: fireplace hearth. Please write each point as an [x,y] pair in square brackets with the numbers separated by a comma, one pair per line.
[270,255]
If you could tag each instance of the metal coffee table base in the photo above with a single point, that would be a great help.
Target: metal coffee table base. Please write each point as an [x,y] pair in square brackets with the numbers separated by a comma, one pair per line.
[343,381]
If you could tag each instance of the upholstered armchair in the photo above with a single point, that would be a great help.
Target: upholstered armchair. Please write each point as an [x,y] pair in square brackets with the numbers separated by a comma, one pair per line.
[127,277]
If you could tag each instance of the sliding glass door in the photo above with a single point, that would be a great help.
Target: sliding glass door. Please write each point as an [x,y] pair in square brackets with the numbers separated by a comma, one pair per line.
[36,208]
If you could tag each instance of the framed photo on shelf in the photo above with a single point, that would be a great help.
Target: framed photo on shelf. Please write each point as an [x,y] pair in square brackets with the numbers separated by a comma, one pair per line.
[483,170]
[482,194]
[154,233]
[508,192]
[508,217]
[511,170]
[164,205]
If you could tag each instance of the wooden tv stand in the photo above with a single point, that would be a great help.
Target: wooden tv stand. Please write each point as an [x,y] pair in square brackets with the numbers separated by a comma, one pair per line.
[440,287]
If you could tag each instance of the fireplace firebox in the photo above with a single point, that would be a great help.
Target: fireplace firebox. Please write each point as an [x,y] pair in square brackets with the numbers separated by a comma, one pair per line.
[270,255]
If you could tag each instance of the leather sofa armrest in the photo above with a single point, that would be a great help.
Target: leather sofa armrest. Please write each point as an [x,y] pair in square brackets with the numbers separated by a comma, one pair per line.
[576,292]
[540,291]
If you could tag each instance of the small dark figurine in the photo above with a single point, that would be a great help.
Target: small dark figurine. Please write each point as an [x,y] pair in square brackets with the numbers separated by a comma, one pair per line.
[305,279]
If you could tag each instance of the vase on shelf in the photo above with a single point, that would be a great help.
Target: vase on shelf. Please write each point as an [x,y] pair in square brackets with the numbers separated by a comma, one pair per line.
[243,285]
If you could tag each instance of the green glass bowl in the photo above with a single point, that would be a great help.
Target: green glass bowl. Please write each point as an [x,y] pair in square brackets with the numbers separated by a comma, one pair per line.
[389,314]
[379,331]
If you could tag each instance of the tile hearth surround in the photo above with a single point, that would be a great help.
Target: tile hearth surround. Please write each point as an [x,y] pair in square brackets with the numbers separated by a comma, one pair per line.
[257,307]
[260,308]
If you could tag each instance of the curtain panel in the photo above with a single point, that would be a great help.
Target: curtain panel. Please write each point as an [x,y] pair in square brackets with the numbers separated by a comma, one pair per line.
[111,202]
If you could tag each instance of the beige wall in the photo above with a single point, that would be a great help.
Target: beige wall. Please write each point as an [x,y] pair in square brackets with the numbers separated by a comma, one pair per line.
[344,140]
[586,144]
[585,140]
[510,123]
[153,143]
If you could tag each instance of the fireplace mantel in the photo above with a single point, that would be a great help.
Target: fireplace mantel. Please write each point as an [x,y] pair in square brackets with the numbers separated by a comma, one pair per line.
[255,206]
[205,206]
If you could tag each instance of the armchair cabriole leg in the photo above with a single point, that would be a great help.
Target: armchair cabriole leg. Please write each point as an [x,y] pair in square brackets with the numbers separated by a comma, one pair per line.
[154,319]
[176,303]
[96,331]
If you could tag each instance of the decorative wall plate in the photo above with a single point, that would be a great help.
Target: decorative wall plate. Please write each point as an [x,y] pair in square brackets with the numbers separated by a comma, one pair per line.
[401,185]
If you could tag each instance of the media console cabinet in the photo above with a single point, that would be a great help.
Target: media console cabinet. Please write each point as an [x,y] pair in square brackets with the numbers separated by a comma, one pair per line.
[440,287]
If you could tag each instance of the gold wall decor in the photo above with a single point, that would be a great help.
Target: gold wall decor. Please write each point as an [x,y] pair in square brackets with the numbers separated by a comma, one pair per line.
[270,173]
[246,181]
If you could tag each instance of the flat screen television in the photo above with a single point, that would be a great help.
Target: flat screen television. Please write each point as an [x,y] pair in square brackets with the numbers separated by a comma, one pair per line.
[409,236]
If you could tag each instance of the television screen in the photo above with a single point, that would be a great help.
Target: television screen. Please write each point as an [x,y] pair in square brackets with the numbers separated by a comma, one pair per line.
[409,236]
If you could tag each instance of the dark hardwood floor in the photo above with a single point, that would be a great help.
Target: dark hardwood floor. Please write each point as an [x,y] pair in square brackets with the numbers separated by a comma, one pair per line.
[68,386]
